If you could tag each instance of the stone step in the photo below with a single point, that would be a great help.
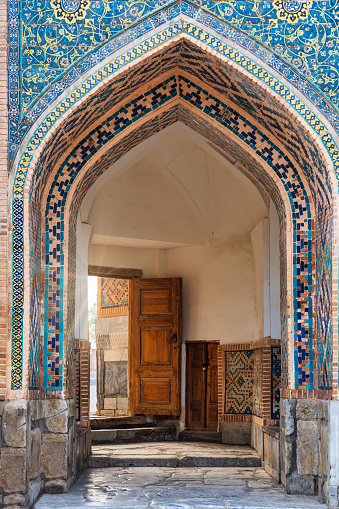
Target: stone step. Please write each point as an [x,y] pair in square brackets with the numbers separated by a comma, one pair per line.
[102,422]
[134,435]
[200,436]
[173,455]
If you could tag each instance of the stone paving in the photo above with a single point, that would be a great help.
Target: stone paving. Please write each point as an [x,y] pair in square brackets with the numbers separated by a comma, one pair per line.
[177,488]
[166,487]
[173,454]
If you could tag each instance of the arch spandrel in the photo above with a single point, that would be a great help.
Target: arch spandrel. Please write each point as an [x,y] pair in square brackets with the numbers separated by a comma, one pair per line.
[258,29]
[48,163]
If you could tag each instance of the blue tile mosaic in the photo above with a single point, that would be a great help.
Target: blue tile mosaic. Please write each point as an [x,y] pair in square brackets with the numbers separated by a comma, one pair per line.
[275,381]
[242,95]
[119,122]
[69,37]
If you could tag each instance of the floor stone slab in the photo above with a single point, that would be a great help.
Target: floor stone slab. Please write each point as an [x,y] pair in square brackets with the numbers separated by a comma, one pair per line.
[177,488]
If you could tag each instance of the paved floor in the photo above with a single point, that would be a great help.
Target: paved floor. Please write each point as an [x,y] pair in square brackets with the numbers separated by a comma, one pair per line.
[173,454]
[172,486]
[176,488]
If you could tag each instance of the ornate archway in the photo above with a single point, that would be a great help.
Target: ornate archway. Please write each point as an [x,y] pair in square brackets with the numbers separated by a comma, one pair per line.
[182,73]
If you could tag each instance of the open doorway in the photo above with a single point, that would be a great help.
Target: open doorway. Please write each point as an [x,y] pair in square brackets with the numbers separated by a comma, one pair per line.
[111,339]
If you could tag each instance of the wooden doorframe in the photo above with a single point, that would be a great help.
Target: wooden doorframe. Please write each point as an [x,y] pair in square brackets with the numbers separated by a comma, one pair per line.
[187,396]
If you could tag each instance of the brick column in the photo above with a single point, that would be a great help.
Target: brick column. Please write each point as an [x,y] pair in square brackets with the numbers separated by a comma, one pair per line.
[3,197]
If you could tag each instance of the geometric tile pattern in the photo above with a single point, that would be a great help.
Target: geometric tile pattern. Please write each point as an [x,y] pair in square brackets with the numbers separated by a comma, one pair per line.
[35,305]
[239,382]
[53,276]
[275,381]
[52,44]
[121,119]
[113,293]
[257,382]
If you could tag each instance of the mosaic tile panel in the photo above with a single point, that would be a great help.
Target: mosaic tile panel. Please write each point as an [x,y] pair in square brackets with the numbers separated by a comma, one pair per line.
[52,52]
[114,293]
[17,204]
[239,382]
[257,382]
[35,304]
[275,381]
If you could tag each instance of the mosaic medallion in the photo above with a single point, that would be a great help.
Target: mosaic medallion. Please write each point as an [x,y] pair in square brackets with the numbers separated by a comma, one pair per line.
[70,11]
[292,12]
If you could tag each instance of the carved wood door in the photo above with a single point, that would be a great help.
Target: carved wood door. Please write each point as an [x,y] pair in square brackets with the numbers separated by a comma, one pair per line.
[155,346]
[202,385]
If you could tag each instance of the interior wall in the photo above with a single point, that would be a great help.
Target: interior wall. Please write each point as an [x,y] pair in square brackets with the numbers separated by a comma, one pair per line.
[120,257]
[218,289]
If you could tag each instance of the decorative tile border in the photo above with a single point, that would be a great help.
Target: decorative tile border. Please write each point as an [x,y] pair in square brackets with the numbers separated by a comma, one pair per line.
[242,128]
[182,27]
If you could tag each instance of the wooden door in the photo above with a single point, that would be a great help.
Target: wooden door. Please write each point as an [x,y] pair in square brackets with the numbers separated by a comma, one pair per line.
[155,346]
[212,386]
[201,385]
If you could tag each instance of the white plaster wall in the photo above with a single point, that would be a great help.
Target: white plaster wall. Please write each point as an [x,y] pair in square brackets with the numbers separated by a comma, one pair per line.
[218,289]
[274,273]
[120,257]
[84,232]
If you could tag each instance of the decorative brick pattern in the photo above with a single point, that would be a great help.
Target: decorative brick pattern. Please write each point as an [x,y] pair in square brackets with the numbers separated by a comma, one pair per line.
[247,132]
[262,375]
[239,382]
[275,381]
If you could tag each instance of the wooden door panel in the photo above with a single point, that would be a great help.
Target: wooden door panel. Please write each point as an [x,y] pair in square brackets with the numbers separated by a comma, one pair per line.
[195,385]
[156,302]
[155,346]
[202,385]
[157,391]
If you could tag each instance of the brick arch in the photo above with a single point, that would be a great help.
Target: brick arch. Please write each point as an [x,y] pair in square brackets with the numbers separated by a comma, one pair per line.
[312,167]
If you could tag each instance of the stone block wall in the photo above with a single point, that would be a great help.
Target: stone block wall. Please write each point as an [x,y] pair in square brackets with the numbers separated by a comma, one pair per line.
[304,445]
[42,450]
[112,365]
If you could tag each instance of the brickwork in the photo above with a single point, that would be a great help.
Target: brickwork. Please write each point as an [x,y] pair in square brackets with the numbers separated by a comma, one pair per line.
[303,374]
[245,382]
[4,261]
[82,350]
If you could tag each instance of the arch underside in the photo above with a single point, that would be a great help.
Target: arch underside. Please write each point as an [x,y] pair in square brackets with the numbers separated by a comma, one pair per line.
[220,95]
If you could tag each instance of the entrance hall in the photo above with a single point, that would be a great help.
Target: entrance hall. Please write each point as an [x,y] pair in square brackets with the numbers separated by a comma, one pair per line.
[201,191]
[192,337]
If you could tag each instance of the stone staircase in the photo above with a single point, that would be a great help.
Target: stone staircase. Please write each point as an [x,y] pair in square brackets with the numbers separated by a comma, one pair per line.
[173,455]
[141,442]
[119,430]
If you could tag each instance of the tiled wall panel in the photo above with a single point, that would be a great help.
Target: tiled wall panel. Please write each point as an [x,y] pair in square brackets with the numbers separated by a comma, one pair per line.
[298,149]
